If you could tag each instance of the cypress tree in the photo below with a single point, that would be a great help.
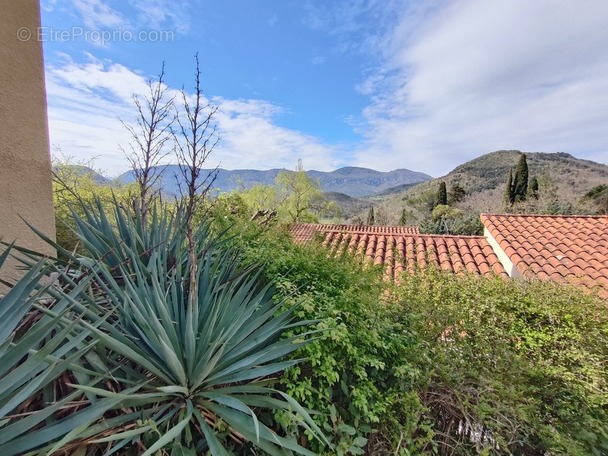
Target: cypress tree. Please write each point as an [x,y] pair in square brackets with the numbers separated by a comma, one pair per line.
[442,195]
[370,216]
[509,197]
[456,194]
[520,180]
[533,188]
[403,219]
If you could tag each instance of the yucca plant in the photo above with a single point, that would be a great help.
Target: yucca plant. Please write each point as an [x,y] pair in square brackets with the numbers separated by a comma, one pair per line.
[200,343]
[39,342]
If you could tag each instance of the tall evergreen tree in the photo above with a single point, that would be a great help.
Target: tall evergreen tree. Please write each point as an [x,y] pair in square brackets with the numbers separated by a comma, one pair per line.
[370,216]
[520,180]
[509,196]
[403,218]
[456,194]
[442,195]
[533,188]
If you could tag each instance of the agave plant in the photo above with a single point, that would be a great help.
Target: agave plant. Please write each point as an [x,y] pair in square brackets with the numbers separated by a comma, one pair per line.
[34,352]
[192,343]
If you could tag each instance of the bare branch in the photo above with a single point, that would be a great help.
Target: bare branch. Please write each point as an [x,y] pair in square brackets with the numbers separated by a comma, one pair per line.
[196,138]
[151,140]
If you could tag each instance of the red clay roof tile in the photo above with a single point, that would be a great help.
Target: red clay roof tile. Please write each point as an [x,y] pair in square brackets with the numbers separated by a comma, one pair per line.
[303,232]
[403,248]
[572,249]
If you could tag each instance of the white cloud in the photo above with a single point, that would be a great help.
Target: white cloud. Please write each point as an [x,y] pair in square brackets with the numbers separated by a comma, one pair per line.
[454,79]
[356,25]
[97,14]
[48,5]
[163,14]
[158,15]
[86,100]
[84,104]
[251,139]
[474,76]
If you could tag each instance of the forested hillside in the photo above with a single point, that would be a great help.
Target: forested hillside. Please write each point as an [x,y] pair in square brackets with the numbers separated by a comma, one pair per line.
[479,186]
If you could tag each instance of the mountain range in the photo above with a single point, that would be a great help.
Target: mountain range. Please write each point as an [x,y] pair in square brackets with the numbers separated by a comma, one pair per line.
[568,176]
[352,181]
[562,177]
[563,180]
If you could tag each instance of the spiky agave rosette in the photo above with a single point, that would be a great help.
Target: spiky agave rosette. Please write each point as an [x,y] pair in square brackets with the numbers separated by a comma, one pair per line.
[183,355]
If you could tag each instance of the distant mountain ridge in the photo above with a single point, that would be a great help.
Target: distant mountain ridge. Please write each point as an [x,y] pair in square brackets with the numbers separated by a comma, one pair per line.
[489,171]
[562,177]
[351,181]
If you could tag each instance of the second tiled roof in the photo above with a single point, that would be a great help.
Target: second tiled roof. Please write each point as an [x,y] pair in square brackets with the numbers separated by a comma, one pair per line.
[571,249]
[402,248]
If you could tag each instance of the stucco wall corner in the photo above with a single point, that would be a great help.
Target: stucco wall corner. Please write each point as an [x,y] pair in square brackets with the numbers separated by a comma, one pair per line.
[25,168]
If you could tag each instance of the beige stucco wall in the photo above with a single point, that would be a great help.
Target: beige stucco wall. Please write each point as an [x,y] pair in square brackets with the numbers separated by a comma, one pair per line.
[25,172]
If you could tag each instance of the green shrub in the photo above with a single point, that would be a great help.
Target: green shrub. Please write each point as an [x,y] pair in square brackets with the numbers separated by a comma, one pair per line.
[510,367]
[441,363]
[358,375]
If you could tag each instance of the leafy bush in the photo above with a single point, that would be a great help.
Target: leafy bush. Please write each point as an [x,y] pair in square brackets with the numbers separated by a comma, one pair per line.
[510,367]
[442,363]
[357,375]
[438,364]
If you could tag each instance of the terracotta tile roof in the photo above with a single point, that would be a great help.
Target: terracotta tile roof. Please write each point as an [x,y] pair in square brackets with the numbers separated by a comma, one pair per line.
[571,249]
[303,232]
[403,248]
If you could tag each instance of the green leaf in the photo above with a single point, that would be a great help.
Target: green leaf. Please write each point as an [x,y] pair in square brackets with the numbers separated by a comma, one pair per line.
[123,435]
[169,436]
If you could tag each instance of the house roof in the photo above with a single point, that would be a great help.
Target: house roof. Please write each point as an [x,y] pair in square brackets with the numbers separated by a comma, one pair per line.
[572,249]
[303,232]
[403,248]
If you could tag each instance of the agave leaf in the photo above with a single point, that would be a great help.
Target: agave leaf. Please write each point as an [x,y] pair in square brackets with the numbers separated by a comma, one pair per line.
[16,303]
[235,403]
[125,397]
[36,362]
[124,435]
[25,385]
[18,350]
[32,361]
[37,255]
[254,372]
[170,435]
[174,363]
[268,353]
[215,446]
[269,440]
[25,425]
[63,428]
[174,389]
[130,352]
[150,337]
[4,255]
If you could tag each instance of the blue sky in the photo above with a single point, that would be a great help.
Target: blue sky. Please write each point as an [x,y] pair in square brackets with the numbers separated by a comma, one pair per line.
[385,84]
